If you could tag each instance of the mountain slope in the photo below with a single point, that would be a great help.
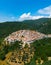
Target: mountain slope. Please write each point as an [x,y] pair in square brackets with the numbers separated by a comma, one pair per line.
[41,25]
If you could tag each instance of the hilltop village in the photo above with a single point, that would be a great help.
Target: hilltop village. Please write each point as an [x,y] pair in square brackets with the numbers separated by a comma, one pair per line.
[26,36]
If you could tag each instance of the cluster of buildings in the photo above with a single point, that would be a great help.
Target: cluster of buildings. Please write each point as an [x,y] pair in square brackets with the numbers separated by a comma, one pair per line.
[26,36]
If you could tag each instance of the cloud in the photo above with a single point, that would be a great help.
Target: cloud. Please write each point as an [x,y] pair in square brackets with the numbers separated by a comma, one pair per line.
[42,13]
[45,11]
[28,16]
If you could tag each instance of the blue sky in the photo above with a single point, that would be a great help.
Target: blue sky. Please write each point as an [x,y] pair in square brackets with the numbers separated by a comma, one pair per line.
[11,10]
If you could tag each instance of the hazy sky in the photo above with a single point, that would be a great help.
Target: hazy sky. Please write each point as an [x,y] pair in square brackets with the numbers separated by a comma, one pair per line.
[11,10]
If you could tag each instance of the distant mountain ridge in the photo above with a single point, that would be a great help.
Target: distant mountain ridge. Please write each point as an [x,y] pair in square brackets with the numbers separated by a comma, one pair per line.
[42,25]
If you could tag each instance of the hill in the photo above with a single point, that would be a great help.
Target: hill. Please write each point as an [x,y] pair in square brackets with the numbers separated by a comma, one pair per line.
[42,25]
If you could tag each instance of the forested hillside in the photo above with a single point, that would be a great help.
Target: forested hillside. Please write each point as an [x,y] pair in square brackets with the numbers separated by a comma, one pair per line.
[42,25]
